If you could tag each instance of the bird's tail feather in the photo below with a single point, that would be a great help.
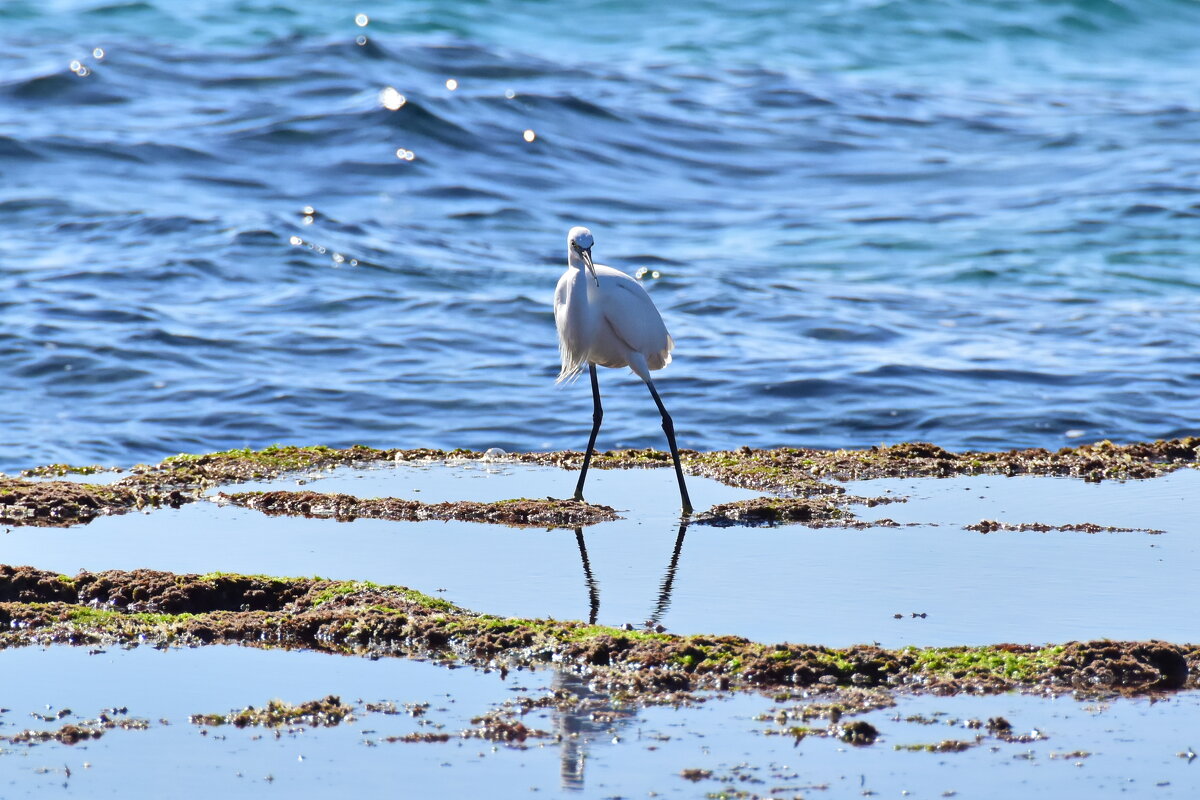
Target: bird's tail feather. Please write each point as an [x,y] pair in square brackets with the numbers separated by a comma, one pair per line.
[572,368]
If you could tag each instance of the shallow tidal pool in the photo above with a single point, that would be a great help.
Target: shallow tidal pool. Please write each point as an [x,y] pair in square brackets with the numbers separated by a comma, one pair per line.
[1063,747]
[929,582]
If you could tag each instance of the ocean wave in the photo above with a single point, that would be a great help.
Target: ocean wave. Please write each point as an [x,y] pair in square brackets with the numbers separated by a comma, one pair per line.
[866,225]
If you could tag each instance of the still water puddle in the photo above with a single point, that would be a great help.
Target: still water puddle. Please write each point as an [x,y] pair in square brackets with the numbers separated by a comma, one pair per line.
[925,584]
[1101,749]
[1163,503]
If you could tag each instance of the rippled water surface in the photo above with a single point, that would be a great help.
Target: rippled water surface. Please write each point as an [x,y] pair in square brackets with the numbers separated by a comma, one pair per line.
[972,223]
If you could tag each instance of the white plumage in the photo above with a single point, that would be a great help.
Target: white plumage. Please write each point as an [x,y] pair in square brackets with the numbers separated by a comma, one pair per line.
[605,318]
[609,321]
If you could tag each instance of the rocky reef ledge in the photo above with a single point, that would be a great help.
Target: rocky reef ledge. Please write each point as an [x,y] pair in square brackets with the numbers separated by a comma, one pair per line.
[804,481]
[361,618]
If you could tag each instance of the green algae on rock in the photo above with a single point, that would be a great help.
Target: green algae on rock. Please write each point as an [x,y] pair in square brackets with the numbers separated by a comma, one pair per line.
[235,466]
[521,512]
[64,503]
[360,618]
[59,470]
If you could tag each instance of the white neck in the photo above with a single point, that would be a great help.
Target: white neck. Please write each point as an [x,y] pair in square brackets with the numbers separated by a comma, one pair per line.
[574,259]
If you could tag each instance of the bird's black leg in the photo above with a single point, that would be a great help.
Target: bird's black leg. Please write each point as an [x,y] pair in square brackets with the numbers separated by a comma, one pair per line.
[597,416]
[669,429]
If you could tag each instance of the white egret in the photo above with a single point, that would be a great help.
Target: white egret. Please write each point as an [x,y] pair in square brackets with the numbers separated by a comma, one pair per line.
[604,317]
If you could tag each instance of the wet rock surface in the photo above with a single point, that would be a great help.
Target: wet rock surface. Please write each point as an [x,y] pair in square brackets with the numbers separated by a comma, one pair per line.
[160,608]
[521,512]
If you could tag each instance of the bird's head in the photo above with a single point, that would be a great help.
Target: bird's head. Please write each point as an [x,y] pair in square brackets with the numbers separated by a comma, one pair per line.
[579,245]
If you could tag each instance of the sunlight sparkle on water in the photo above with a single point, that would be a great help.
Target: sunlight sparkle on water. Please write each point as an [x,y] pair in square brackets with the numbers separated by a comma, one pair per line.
[405,155]
[98,53]
[391,99]
[451,84]
[362,20]
[529,135]
[296,241]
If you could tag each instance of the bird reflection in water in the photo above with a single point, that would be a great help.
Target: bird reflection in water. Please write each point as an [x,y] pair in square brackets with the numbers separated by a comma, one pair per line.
[664,589]
[668,581]
[589,579]
[594,716]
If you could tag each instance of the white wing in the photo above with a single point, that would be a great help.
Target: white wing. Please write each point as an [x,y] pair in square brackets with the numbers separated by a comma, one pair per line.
[632,317]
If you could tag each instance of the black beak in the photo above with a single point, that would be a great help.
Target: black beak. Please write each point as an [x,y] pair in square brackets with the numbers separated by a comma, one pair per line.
[586,254]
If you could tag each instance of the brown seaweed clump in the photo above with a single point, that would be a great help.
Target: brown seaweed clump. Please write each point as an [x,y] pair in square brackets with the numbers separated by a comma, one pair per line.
[74,733]
[1111,665]
[548,513]
[826,511]
[502,725]
[325,713]
[63,503]
[991,526]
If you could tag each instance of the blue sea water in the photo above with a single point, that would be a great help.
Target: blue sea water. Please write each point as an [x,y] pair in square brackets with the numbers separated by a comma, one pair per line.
[974,223]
